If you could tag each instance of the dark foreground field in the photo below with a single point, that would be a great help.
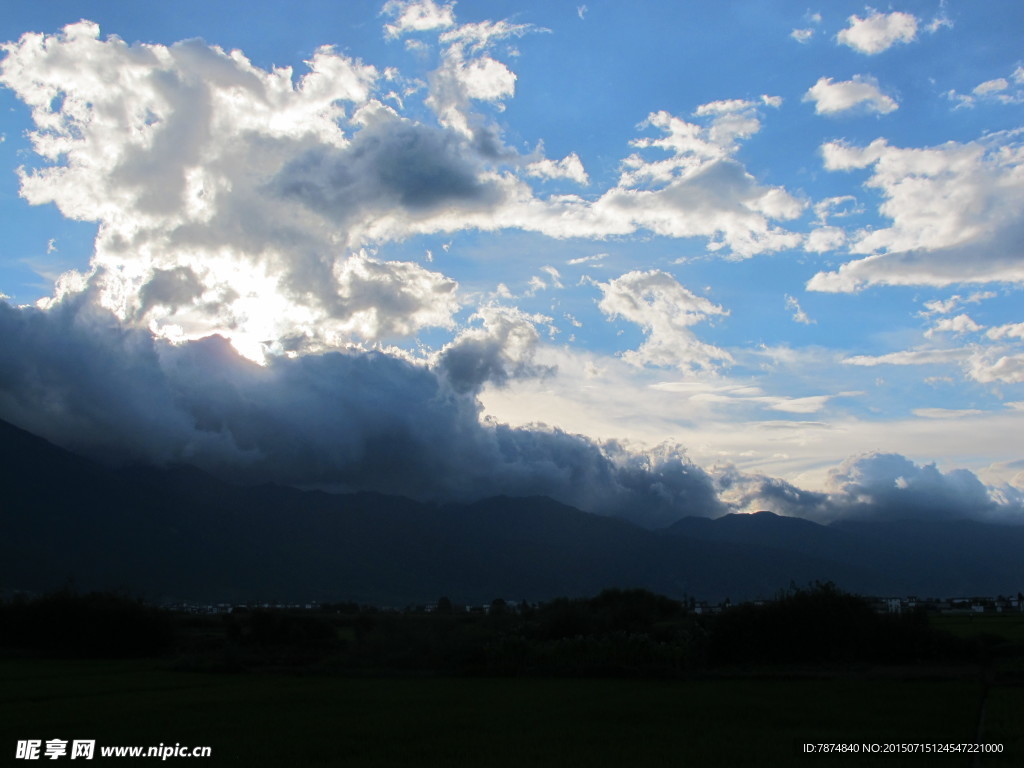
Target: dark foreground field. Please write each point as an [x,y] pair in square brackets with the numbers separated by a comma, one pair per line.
[275,719]
[626,678]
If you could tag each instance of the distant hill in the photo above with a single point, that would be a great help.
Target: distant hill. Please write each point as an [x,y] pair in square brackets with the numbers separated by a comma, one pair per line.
[898,557]
[179,533]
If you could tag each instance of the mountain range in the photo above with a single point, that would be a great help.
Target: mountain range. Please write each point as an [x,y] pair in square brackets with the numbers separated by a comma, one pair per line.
[178,533]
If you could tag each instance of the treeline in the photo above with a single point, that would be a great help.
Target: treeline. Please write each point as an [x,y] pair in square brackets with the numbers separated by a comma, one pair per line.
[93,625]
[616,633]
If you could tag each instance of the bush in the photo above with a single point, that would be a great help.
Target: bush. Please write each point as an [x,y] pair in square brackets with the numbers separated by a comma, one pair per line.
[94,625]
[820,624]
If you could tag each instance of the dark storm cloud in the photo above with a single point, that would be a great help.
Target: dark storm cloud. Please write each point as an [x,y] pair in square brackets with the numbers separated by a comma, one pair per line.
[341,421]
[372,421]
[888,485]
[878,486]
[390,164]
[502,350]
[75,375]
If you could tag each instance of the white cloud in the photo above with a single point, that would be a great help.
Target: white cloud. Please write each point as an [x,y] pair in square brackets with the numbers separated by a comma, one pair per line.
[417,16]
[959,325]
[569,167]
[804,34]
[839,206]
[552,279]
[946,413]
[944,307]
[823,239]
[732,119]
[724,107]
[589,259]
[488,80]
[799,315]
[743,396]
[463,78]
[553,274]
[957,213]
[994,366]
[910,357]
[984,364]
[962,100]
[991,86]
[416,46]
[940,306]
[476,37]
[1011,331]
[665,310]
[879,31]
[999,90]
[862,91]
[939,22]
[698,190]
[467,74]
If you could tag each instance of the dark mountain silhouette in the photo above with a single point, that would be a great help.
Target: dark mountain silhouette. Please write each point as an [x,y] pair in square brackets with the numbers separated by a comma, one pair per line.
[178,533]
[880,557]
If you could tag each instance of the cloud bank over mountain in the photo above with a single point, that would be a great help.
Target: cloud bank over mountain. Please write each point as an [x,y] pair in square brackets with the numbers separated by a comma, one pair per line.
[364,420]
[343,421]
[879,486]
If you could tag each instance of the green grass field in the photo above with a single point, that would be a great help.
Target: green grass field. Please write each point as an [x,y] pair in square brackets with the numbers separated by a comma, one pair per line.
[254,719]
[1008,626]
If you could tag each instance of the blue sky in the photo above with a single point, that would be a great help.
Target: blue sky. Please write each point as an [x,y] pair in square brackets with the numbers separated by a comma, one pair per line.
[781,239]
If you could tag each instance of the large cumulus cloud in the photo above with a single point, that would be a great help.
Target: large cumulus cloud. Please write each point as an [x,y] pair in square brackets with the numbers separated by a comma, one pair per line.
[955,211]
[235,200]
[240,201]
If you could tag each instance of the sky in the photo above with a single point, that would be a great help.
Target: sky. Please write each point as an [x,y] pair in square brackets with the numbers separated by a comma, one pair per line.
[651,259]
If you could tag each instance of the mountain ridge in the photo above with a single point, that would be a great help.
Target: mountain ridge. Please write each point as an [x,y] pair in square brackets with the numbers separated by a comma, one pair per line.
[180,533]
